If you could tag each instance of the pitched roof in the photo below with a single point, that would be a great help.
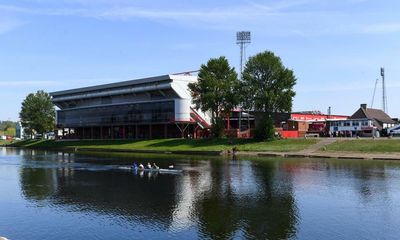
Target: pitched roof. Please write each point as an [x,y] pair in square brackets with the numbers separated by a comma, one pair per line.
[377,115]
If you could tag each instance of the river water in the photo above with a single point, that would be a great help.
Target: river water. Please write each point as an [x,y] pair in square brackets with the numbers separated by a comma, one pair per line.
[54,195]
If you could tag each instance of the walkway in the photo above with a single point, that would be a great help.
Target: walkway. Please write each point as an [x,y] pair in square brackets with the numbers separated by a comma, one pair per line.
[321,144]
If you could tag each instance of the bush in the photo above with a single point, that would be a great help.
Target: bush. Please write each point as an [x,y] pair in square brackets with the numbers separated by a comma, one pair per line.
[217,129]
[265,130]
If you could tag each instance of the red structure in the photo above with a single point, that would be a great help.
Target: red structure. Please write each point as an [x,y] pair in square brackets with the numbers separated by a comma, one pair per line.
[301,123]
[309,117]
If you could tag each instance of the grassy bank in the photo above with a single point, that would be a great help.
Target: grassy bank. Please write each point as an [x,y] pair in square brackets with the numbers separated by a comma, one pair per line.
[4,142]
[366,146]
[285,145]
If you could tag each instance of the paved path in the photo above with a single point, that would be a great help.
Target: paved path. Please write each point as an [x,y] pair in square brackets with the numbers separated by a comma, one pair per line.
[313,148]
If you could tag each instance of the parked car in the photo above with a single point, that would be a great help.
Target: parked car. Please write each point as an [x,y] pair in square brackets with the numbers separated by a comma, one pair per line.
[38,136]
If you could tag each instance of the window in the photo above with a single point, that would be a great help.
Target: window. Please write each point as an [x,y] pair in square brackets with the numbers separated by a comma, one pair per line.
[106,100]
[355,124]
[155,112]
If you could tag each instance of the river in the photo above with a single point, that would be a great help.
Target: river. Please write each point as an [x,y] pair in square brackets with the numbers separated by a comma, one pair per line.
[55,195]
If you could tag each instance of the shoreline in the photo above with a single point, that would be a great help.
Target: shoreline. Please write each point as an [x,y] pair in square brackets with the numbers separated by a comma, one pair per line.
[317,154]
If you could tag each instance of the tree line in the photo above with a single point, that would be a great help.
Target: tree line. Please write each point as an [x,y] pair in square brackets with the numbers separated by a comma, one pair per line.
[7,128]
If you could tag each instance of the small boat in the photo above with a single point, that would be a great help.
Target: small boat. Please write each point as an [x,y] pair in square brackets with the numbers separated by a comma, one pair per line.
[160,170]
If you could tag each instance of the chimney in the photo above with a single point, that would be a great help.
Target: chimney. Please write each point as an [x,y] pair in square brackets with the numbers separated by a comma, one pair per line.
[363,106]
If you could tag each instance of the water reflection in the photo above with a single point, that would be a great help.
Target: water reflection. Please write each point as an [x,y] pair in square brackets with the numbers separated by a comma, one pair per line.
[221,199]
[216,199]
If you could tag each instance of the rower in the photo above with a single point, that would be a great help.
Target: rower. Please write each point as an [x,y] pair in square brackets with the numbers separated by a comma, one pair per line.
[141,167]
[135,166]
[171,166]
[155,166]
[148,166]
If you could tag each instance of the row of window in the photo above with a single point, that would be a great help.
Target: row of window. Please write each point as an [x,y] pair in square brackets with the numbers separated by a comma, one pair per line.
[121,114]
[354,123]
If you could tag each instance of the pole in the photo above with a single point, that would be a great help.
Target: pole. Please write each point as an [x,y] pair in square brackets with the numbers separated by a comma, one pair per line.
[384,99]
[241,59]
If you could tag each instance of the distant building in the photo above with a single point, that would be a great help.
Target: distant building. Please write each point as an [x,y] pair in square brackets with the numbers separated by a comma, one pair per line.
[156,107]
[309,122]
[364,122]
[380,118]
[19,131]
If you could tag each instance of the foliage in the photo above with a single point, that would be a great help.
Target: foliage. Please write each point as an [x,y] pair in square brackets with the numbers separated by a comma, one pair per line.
[218,128]
[4,125]
[215,91]
[268,87]
[37,113]
[265,129]
[267,84]
[10,131]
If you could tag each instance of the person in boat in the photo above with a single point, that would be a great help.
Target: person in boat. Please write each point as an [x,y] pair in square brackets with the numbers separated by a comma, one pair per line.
[141,167]
[148,166]
[135,166]
[155,166]
[171,166]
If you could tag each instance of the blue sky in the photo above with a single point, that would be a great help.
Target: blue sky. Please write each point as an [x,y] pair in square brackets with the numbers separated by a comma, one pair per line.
[334,47]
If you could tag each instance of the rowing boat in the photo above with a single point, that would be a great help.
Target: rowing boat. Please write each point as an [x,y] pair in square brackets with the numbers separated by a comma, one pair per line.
[160,170]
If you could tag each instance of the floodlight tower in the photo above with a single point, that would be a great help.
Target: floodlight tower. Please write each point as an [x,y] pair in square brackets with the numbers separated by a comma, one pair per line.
[243,39]
[384,98]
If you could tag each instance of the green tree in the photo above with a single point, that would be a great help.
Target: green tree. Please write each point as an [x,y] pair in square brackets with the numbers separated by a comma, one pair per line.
[10,131]
[37,113]
[215,91]
[267,87]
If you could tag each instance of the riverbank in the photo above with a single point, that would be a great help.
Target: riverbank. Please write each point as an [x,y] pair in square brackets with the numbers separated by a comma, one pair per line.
[2,143]
[378,145]
[217,146]
[375,149]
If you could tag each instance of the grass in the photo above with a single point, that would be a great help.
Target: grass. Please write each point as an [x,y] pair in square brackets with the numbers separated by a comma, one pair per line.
[3,142]
[366,146]
[283,145]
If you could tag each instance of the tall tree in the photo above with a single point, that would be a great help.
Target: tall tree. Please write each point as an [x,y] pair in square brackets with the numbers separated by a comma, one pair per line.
[215,91]
[38,112]
[267,87]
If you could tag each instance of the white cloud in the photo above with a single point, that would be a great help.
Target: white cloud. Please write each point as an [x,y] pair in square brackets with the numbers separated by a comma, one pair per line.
[382,28]
[285,17]
[7,25]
